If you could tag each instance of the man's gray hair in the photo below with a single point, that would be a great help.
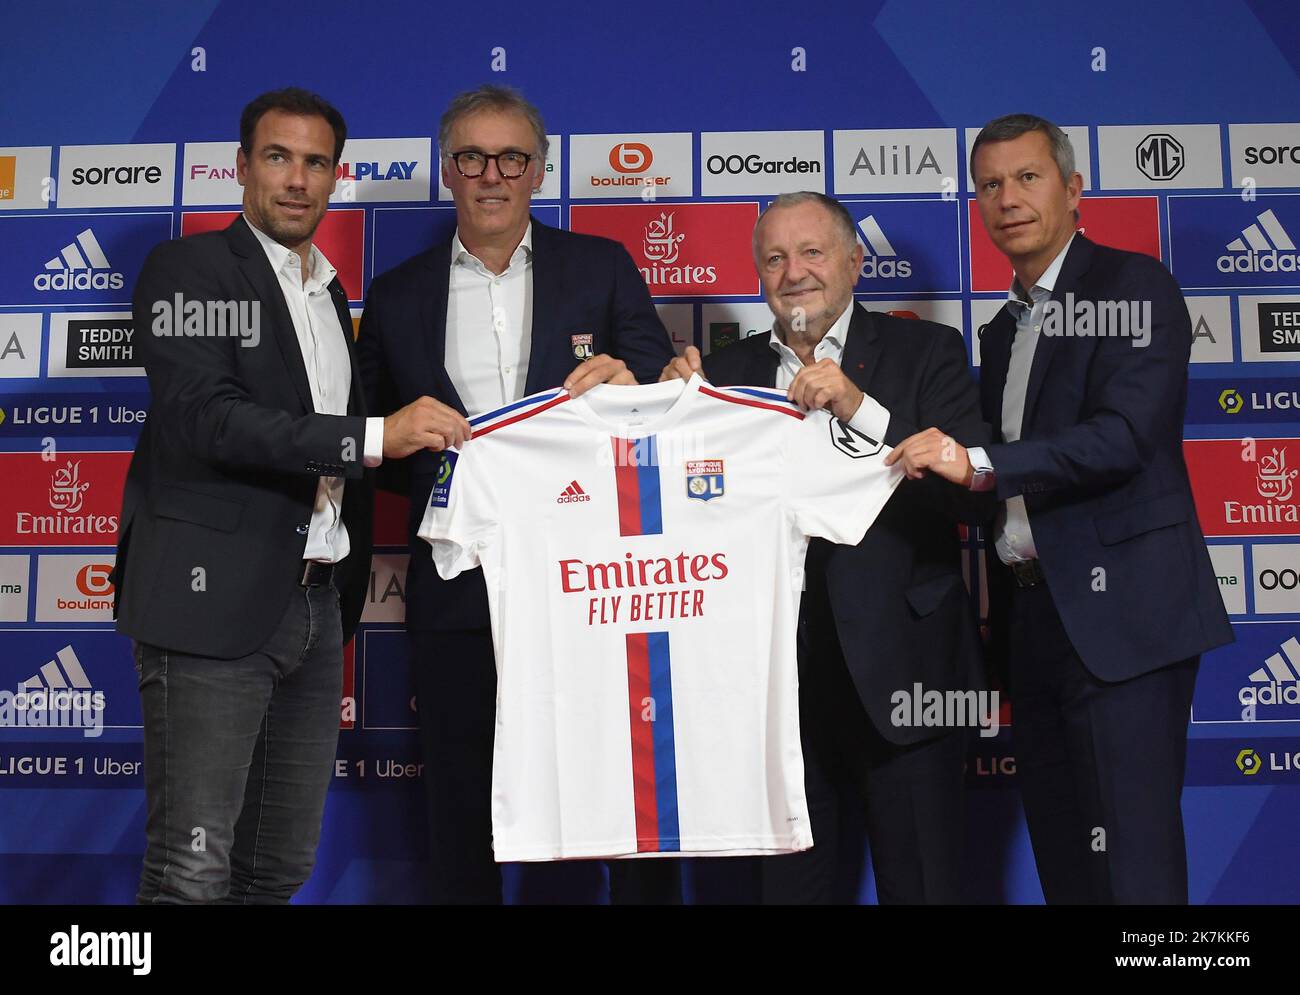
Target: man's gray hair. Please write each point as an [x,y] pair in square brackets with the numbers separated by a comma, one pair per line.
[1012,126]
[839,213]
[491,98]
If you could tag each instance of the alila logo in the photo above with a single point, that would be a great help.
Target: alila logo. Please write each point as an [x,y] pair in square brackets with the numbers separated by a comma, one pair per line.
[1264,247]
[80,265]
[880,260]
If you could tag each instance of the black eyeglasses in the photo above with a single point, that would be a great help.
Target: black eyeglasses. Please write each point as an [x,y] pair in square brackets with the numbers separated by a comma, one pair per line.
[471,165]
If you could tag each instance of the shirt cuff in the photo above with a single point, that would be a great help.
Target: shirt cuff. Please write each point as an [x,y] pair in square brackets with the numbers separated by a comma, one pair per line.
[984,479]
[871,419]
[373,453]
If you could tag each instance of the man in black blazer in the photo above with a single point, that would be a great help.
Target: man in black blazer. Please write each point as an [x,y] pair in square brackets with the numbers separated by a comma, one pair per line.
[1100,584]
[888,617]
[244,550]
[505,308]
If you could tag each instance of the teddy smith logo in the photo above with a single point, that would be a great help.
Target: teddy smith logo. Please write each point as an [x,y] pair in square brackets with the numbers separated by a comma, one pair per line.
[579,577]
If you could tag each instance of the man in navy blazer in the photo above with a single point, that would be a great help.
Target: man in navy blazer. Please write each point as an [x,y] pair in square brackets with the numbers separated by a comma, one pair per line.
[505,308]
[890,615]
[1100,584]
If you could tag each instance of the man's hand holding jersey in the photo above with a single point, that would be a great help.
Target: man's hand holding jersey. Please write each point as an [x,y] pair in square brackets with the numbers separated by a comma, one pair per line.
[683,367]
[936,452]
[597,370]
[423,424]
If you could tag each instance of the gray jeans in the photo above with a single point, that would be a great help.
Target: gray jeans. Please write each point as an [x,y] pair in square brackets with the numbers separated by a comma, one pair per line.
[238,756]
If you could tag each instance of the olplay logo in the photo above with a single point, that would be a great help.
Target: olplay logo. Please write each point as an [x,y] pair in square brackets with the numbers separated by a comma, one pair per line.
[1268,155]
[681,249]
[74,588]
[909,246]
[117,175]
[645,166]
[1244,487]
[913,160]
[762,162]
[1226,243]
[1159,155]
[383,170]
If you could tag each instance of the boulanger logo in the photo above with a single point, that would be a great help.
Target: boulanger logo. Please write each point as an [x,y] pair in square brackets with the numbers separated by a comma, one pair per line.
[1264,247]
[1160,157]
[647,166]
[74,588]
[631,157]
[880,259]
[1230,401]
[80,265]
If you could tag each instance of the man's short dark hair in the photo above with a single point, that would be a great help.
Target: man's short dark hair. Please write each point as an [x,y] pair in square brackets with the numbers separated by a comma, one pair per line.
[490,97]
[839,213]
[1012,126]
[291,100]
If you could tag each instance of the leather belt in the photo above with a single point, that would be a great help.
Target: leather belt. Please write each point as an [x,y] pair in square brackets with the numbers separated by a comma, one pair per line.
[316,574]
[1028,573]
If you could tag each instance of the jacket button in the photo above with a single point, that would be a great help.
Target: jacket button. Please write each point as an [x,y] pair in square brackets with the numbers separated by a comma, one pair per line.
[301,529]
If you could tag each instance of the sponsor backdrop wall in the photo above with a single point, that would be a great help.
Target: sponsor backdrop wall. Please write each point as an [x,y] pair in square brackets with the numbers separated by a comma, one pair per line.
[671,127]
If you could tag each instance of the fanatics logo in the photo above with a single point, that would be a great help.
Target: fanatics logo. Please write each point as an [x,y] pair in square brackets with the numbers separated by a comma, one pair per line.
[573,494]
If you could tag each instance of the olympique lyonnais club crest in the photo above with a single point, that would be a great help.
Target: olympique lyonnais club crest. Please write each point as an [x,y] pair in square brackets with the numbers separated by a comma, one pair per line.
[704,479]
[582,347]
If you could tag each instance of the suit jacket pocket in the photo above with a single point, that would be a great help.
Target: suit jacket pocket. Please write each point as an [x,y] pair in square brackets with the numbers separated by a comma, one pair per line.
[198,508]
[1143,516]
[926,596]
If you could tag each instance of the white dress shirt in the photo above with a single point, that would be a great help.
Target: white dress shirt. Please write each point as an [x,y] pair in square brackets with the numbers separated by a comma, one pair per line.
[489,326]
[329,372]
[1012,537]
[872,418]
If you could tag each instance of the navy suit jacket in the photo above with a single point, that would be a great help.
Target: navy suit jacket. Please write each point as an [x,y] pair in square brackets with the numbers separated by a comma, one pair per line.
[582,284]
[1100,466]
[897,599]
[225,473]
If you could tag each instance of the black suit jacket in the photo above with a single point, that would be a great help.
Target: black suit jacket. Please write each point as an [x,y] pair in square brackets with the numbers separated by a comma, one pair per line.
[897,598]
[581,284]
[1100,465]
[221,488]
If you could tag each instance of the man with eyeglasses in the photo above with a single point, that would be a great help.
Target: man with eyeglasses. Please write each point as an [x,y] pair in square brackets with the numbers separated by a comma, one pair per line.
[505,308]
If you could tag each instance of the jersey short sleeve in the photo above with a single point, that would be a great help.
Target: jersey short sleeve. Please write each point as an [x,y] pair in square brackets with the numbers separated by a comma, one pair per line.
[460,517]
[838,481]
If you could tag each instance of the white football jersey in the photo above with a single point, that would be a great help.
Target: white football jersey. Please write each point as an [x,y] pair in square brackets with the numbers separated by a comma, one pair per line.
[643,549]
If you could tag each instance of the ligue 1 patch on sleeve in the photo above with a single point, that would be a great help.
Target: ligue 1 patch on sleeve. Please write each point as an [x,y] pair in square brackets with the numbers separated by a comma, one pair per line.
[442,483]
[704,479]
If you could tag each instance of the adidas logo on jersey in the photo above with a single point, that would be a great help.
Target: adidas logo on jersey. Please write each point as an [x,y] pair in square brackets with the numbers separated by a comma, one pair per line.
[80,265]
[1264,247]
[573,494]
[877,249]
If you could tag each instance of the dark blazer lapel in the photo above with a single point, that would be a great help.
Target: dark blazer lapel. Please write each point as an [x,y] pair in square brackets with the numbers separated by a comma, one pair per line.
[546,293]
[256,269]
[432,326]
[762,365]
[995,359]
[861,347]
[1075,264]
[340,298]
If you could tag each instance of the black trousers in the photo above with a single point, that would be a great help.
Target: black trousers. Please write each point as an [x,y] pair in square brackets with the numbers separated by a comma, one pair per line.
[455,686]
[1100,766]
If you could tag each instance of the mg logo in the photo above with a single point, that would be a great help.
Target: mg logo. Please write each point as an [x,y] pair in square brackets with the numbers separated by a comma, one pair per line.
[630,157]
[1160,157]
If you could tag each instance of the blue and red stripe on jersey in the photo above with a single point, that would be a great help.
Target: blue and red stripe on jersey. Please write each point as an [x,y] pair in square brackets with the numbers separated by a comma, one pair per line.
[535,404]
[636,477]
[654,751]
[770,401]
